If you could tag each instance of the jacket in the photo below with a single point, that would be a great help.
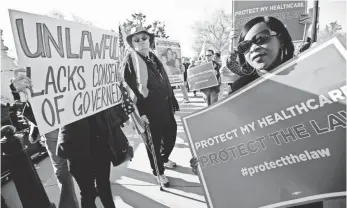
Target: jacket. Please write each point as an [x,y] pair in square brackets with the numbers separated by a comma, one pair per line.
[74,140]
[160,102]
[243,81]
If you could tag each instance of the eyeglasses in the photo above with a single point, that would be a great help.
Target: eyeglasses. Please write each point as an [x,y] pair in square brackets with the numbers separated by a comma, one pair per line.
[137,39]
[259,39]
[208,55]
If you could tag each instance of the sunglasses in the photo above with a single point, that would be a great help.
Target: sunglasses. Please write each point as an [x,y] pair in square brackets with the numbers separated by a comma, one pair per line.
[137,39]
[208,55]
[259,39]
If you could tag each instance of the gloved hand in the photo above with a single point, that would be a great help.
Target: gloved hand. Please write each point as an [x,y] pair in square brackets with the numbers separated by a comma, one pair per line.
[144,120]
[234,66]
[194,164]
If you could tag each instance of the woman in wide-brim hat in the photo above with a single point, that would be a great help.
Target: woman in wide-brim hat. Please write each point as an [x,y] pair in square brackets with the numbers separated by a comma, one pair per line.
[139,30]
[155,100]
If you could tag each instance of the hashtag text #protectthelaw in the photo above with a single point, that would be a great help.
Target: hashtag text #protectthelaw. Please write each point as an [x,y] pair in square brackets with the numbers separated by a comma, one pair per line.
[283,161]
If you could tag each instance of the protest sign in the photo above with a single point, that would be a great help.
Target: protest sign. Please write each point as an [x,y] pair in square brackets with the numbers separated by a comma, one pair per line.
[201,77]
[279,141]
[73,68]
[169,53]
[289,12]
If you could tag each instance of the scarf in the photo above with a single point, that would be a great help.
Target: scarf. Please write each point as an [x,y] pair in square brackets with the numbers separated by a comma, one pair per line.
[140,68]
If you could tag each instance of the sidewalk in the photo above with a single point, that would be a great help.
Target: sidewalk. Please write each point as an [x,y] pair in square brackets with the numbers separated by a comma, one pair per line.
[133,184]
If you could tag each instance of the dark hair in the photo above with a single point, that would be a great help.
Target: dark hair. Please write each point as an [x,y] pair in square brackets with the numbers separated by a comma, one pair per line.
[274,25]
[217,55]
[169,49]
[175,54]
[210,50]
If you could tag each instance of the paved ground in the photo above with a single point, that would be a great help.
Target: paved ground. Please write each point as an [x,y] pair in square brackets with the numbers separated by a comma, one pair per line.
[133,185]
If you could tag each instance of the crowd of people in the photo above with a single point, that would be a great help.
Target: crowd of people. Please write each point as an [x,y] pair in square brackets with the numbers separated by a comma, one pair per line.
[86,148]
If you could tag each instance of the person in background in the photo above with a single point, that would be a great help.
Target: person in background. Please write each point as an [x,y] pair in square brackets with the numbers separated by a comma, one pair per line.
[211,93]
[185,67]
[67,198]
[156,103]
[90,145]
[182,87]
[217,58]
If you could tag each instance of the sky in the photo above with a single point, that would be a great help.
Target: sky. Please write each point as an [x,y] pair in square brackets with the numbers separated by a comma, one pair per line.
[179,15]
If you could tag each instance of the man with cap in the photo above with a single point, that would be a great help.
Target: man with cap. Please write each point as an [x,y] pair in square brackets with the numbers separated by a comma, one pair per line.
[156,103]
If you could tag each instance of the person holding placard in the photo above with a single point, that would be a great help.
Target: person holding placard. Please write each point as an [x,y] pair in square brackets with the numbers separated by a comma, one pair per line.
[264,44]
[211,93]
[64,179]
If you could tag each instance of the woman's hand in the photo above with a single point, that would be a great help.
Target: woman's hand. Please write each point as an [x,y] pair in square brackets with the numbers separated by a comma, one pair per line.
[234,34]
[21,82]
[306,19]
[144,119]
[194,164]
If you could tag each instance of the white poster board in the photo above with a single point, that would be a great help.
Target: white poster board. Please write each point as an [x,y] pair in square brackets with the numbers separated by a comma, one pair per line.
[73,68]
[169,53]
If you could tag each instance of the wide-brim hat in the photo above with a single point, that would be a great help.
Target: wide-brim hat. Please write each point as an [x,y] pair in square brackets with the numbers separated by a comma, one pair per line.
[136,30]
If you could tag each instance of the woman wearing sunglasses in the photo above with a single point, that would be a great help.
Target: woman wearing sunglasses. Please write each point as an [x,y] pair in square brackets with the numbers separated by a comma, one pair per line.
[264,44]
[274,48]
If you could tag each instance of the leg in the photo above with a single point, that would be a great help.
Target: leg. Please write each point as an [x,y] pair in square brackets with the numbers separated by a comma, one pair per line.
[82,171]
[184,92]
[102,168]
[206,95]
[68,197]
[169,139]
[213,97]
[229,89]
[157,134]
[208,98]
[222,89]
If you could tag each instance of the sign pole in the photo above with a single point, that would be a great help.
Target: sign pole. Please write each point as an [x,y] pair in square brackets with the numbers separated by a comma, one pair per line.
[314,21]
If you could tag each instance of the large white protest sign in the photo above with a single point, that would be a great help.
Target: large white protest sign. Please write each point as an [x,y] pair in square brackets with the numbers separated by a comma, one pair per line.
[73,68]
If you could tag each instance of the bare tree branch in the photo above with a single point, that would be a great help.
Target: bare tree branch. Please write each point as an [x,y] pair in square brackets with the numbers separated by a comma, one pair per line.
[215,31]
